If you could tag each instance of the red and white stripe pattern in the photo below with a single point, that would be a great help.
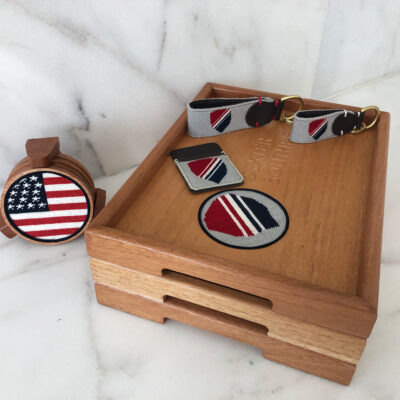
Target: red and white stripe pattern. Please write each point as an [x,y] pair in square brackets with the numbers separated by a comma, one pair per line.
[235,211]
[240,220]
[232,215]
[220,119]
[243,218]
[210,167]
[317,127]
[65,213]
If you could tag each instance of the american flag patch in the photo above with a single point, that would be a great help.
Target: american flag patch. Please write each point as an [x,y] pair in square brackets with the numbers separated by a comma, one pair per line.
[47,207]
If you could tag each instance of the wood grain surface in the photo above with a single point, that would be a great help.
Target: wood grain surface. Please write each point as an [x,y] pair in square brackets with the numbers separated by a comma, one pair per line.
[229,326]
[323,186]
[42,151]
[239,304]
[332,190]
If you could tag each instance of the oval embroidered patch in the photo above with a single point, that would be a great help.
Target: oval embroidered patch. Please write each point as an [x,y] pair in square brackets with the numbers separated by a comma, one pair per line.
[48,207]
[243,218]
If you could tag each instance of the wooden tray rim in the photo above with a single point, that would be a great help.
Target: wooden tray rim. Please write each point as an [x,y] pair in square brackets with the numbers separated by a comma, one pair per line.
[265,283]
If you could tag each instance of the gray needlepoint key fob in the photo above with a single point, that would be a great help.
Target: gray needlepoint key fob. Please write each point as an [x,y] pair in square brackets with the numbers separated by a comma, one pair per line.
[206,167]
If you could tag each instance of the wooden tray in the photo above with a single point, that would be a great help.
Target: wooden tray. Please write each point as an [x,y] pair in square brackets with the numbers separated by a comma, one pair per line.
[324,271]
[248,307]
[229,326]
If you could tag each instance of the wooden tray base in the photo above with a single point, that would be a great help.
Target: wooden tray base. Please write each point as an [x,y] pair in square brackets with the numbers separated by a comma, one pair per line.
[231,302]
[324,271]
[229,326]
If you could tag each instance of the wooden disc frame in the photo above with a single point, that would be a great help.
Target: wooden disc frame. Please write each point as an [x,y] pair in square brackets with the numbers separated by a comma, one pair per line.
[44,156]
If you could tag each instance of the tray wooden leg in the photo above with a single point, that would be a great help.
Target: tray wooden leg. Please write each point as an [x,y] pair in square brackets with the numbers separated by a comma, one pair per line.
[117,299]
[229,326]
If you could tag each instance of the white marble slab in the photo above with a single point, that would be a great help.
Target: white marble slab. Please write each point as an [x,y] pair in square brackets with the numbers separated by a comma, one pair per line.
[56,342]
[109,78]
[360,43]
[72,71]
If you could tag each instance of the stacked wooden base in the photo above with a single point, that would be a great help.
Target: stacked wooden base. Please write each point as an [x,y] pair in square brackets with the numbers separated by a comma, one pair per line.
[309,300]
[308,347]
[229,326]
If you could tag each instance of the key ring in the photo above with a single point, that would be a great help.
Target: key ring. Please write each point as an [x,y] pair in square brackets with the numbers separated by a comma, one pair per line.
[364,126]
[288,119]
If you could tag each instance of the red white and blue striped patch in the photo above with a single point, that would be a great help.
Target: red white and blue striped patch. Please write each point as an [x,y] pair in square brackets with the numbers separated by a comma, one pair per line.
[220,119]
[317,127]
[243,218]
[47,207]
[238,216]
[211,168]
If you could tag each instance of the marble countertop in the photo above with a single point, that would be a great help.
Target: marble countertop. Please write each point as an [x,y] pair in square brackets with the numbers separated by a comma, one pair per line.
[56,342]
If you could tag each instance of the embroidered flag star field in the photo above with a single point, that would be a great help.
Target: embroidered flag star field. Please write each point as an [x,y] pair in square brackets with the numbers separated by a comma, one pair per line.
[47,207]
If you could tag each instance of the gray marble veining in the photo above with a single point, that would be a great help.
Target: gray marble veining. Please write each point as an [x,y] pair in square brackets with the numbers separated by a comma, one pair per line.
[109,78]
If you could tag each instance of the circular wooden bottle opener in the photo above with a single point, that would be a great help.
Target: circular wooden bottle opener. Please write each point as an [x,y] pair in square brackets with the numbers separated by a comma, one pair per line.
[49,197]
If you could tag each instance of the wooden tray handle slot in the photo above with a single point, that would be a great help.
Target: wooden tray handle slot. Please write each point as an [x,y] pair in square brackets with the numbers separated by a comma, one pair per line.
[41,152]
[182,305]
[229,301]
[258,310]
[214,289]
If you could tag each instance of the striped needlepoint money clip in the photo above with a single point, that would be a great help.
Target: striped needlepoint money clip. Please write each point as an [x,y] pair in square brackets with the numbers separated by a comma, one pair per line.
[206,167]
